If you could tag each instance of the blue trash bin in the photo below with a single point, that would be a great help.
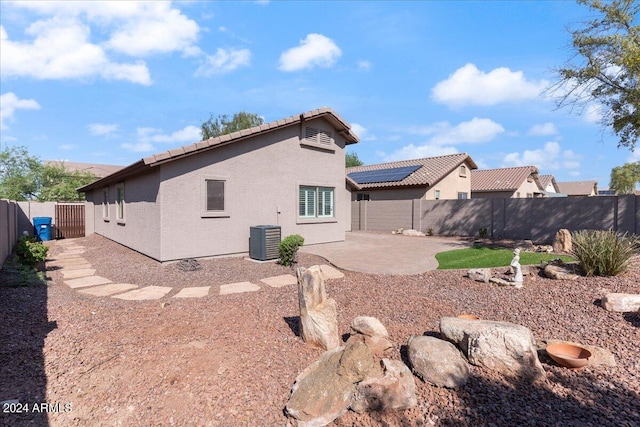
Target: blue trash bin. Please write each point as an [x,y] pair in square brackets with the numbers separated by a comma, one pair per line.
[42,227]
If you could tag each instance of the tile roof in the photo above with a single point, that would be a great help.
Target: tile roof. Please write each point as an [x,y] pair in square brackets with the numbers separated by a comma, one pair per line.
[578,188]
[99,170]
[503,179]
[343,128]
[432,170]
[545,180]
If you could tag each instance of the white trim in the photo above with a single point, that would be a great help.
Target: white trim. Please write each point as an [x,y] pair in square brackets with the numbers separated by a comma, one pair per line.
[204,213]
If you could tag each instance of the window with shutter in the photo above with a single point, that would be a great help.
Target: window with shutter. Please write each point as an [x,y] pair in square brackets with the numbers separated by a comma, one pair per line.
[315,136]
[215,195]
[315,202]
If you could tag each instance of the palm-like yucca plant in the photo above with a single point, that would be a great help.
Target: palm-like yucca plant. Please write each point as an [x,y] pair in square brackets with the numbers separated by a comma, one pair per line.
[604,253]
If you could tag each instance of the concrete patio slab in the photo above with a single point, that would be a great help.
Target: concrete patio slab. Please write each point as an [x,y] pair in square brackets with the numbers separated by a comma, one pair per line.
[79,266]
[84,282]
[240,287]
[146,293]
[67,261]
[330,272]
[108,290]
[378,253]
[195,292]
[74,274]
[280,281]
[67,254]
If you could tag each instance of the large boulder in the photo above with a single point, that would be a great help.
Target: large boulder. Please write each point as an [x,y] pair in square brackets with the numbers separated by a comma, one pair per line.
[396,389]
[479,274]
[325,389]
[560,272]
[621,303]
[562,241]
[500,346]
[413,233]
[438,362]
[318,316]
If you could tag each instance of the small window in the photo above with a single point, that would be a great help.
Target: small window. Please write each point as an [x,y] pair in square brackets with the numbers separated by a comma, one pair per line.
[363,196]
[529,195]
[315,202]
[462,196]
[120,201]
[463,170]
[518,194]
[105,202]
[437,194]
[215,195]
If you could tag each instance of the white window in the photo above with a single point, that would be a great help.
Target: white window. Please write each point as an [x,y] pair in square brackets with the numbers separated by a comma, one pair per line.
[462,196]
[215,195]
[105,202]
[120,201]
[437,194]
[316,202]
[529,195]
[463,170]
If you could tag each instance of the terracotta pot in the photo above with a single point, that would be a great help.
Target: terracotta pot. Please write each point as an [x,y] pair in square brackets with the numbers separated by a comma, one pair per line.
[468,317]
[569,355]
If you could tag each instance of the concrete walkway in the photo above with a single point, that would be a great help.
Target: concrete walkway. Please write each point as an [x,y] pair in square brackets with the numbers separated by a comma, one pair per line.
[78,274]
[377,253]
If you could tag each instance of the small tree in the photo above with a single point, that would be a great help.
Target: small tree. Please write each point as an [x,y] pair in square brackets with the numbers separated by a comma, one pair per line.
[20,174]
[60,185]
[351,160]
[625,178]
[222,125]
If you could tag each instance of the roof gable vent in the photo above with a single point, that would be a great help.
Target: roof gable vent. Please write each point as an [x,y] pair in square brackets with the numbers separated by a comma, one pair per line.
[317,136]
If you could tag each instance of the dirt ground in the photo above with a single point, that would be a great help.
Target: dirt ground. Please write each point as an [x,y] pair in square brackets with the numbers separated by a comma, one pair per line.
[231,360]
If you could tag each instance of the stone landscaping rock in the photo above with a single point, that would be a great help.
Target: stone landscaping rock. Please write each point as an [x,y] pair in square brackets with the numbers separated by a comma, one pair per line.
[411,232]
[480,274]
[318,316]
[560,272]
[325,389]
[371,332]
[396,389]
[500,346]
[621,303]
[599,356]
[438,362]
[562,241]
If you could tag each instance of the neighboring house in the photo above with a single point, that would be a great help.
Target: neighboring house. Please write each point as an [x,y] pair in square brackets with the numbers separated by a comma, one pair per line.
[607,192]
[517,182]
[579,188]
[99,170]
[550,186]
[431,178]
[200,200]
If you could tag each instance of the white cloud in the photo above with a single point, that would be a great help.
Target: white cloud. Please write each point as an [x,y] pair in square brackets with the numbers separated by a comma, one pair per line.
[476,130]
[470,86]
[544,129]
[362,132]
[101,129]
[60,50]
[224,61]
[593,113]
[634,157]
[417,152]
[551,156]
[67,147]
[139,147]
[9,103]
[364,65]
[314,50]
[148,136]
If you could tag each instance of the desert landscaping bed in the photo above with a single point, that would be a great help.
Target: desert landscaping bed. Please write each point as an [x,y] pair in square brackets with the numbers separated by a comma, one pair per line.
[231,360]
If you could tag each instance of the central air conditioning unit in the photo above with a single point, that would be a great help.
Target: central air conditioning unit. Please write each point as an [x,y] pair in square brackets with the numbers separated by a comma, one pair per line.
[264,241]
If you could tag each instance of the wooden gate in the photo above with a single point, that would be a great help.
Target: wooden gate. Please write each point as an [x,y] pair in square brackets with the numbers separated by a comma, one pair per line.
[69,221]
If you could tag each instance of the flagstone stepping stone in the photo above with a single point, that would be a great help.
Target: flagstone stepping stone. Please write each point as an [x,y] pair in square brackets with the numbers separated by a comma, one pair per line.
[279,281]
[146,293]
[196,292]
[84,282]
[108,290]
[82,266]
[74,274]
[66,254]
[330,272]
[236,288]
[67,262]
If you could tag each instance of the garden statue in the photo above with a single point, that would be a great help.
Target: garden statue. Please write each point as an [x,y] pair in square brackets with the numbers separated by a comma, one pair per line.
[517,270]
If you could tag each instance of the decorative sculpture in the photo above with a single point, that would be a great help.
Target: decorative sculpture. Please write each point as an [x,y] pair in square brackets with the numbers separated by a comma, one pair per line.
[517,269]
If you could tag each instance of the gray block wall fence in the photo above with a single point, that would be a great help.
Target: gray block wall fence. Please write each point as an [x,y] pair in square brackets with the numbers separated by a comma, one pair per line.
[537,219]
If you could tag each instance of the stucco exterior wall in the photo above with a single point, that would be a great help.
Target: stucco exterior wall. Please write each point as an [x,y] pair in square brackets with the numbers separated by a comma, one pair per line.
[262,178]
[408,193]
[140,229]
[526,188]
[451,185]
[492,195]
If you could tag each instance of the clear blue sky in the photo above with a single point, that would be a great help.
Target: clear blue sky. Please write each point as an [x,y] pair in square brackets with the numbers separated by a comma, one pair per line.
[112,82]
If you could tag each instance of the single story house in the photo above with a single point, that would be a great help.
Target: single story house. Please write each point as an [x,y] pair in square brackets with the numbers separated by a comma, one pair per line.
[550,186]
[579,188]
[515,182]
[200,200]
[431,178]
[99,170]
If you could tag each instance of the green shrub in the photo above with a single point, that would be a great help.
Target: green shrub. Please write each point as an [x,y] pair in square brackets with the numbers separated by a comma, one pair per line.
[429,231]
[603,253]
[30,251]
[483,232]
[288,248]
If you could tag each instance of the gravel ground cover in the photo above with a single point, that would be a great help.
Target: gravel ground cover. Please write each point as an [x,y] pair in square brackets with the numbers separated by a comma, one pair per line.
[231,360]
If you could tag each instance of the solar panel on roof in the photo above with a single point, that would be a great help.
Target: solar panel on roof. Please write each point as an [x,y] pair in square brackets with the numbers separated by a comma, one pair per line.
[383,175]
